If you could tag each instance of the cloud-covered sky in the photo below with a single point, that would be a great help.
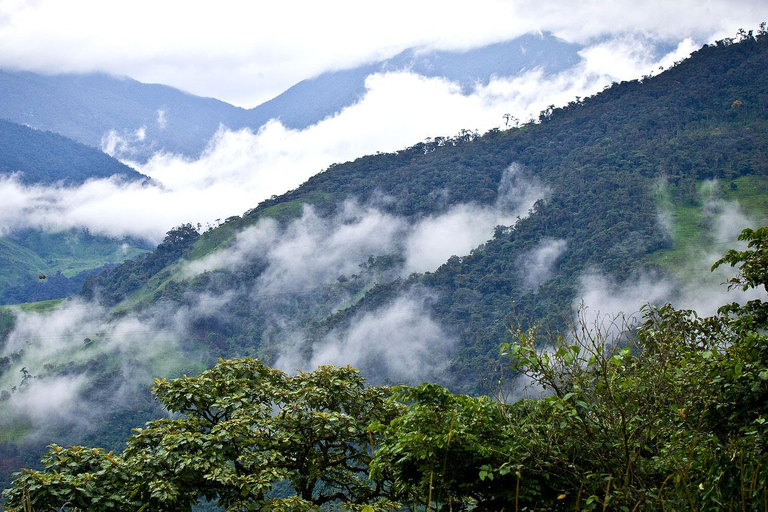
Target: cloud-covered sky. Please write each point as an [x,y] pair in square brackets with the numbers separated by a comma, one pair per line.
[248,52]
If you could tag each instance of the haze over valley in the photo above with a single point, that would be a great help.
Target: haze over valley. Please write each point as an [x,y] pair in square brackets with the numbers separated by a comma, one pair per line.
[397,208]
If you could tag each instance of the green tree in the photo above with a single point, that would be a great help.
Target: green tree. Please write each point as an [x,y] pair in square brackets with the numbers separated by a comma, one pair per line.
[244,427]
[670,413]
[436,450]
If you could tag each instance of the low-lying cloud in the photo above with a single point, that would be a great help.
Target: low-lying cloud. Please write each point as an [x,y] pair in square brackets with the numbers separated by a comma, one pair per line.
[65,349]
[241,168]
[696,286]
[398,342]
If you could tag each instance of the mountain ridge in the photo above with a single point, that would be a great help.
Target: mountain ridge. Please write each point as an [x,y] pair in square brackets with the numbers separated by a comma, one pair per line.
[134,120]
[601,157]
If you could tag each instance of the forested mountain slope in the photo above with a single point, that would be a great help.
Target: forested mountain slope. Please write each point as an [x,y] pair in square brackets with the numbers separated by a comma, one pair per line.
[44,158]
[41,265]
[356,267]
[596,167]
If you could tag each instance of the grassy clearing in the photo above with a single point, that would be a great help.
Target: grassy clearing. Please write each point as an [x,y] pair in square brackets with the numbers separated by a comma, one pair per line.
[224,234]
[702,231]
[40,307]
[15,432]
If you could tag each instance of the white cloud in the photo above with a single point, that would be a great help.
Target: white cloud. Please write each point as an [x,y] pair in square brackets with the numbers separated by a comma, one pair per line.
[247,53]
[162,119]
[537,264]
[459,230]
[398,342]
[241,168]
[697,288]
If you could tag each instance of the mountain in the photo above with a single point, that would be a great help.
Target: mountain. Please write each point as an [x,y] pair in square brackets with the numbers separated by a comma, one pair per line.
[34,158]
[309,277]
[413,265]
[92,108]
[45,158]
[316,98]
[36,265]
[134,120]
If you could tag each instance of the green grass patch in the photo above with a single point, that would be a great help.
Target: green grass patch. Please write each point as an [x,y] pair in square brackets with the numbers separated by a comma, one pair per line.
[695,240]
[40,307]
[14,432]
[223,235]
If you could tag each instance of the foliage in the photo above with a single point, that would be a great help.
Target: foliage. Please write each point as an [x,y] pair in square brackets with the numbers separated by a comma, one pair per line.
[64,259]
[112,285]
[600,159]
[42,157]
[244,427]
[753,273]
[435,450]
[671,413]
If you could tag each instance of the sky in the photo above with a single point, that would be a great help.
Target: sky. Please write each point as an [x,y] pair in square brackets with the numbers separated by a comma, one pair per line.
[248,52]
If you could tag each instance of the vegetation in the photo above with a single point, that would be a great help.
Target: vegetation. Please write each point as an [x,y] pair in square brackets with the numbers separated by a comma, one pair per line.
[47,158]
[641,440]
[603,160]
[670,414]
[35,265]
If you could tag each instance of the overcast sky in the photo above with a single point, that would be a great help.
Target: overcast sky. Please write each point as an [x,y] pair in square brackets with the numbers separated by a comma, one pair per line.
[246,52]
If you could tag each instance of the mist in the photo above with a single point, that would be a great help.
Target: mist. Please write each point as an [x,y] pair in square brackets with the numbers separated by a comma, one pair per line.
[64,350]
[306,268]
[238,169]
[694,286]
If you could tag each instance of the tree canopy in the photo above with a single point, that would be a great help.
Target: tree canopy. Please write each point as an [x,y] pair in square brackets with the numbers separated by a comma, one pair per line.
[666,414]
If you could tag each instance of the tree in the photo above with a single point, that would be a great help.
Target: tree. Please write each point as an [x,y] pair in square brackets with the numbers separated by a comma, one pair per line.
[244,427]
[669,413]
[753,273]
[435,451]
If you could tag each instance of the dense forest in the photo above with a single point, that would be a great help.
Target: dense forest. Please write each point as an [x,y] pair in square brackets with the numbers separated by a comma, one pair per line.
[596,171]
[44,158]
[601,159]
[665,415]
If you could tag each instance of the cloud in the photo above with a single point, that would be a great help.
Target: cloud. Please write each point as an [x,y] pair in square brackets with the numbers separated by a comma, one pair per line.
[162,119]
[67,348]
[248,53]
[696,287]
[398,342]
[108,207]
[537,265]
[314,251]
[240,168]
[456,232]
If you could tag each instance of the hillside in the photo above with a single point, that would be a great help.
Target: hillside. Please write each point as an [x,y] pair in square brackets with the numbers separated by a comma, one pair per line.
[594,170]
[147,117]
[33,158]
[44,158]
[36,266]
[413,265]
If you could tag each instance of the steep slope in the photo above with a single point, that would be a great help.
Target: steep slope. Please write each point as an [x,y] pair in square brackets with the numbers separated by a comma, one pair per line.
[143,118]
[35,158]
[316,98]
[43,158]
[36,265]
[595,166]
[334,271]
